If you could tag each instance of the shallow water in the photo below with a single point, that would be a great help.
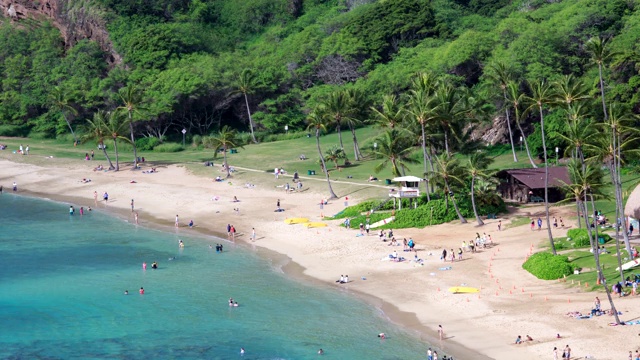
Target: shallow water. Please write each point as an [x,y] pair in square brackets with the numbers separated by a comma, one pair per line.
[62,283]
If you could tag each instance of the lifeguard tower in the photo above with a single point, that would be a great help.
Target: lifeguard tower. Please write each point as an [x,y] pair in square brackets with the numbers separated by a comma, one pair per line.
[408,189]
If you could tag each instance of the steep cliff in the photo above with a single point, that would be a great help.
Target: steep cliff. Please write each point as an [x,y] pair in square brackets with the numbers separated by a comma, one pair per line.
[76,19]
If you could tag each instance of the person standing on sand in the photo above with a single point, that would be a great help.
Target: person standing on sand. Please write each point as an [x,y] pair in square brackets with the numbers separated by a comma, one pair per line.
[444,255]
[499,225]
[253,234]
[429,354]
[135,216]
[92,154]
[539,224]
[567,352]
[27,150]
[233,233]
[177,221]
[105,197]
[15,186]
[228,231]
[555,353]
[453,256]
[95,198]
[440,332]
[131,205]
[533,224]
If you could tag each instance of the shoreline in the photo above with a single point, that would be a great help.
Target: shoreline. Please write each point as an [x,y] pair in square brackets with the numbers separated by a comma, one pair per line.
[409,296]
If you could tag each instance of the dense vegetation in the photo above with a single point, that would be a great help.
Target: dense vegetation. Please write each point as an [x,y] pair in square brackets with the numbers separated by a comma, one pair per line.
[546,266]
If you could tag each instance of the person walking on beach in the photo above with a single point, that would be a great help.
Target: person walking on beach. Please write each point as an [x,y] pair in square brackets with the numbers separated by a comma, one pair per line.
[555,353]
[15,186]
[444,255]
[367,227]
[566,354]
[533,224]
[228,231]
[429,354]
[253,234]
[440,332]
[278,205]
[131,205]
[499,225]
[539,224]
[105,197]
[233,233]
[453,256]
[177,224]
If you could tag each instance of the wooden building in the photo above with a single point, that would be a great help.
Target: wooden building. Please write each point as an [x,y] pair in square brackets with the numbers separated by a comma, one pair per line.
[527,185]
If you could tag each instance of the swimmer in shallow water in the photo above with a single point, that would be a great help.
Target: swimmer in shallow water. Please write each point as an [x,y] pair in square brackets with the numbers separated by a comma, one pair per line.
[126,292]
[154,265]
[320,352]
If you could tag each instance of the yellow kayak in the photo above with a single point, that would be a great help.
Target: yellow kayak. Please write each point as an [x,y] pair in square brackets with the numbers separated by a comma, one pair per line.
[463,290]
[296,221]
[315,224]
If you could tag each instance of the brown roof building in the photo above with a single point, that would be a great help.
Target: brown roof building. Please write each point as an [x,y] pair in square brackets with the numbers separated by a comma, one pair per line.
[527,185]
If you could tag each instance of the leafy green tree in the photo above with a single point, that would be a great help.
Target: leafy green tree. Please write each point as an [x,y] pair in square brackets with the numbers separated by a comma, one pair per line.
[501,74]
[317,121]
[598,48]
[542,95]
[59,101]
[517,100]
[391,113]
[422,108]
[394,147]
[224,140]
[337,106]
[334,154]
[246,84]
[449,113]
[477,169]
[97,131]
[132,102]
[448,172]
[116,128]
[360,105]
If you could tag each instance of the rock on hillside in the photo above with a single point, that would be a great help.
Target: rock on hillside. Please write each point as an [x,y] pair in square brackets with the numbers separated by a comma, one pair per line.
[76,21]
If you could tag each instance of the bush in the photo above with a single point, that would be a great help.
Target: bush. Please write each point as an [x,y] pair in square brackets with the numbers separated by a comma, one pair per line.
[546,266]
[168,147]
[147,143]
[580,237]
[14,130]
[196,140]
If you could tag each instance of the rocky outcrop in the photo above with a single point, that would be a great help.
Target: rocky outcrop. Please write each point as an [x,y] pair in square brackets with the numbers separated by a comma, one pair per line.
[75,19]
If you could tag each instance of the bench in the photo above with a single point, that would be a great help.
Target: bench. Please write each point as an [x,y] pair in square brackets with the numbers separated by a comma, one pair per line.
[536,199]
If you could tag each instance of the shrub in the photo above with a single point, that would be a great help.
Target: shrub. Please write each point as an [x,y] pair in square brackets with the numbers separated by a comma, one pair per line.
[547,266]
[580,237]
[147,143]
[168,147]
[196,140]
[13,130]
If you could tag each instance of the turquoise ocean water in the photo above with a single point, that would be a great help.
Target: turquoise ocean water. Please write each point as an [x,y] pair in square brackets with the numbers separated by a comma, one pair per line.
[62,282]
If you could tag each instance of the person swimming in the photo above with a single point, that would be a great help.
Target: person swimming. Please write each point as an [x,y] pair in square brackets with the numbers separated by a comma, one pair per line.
[172,258]
[320,352]
[126,292]
[181,244]
[141,291]
[154,265]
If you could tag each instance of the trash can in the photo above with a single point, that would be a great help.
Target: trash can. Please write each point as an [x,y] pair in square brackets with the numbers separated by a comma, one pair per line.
[234,151]
[311,172]
[600,240]
[387,181]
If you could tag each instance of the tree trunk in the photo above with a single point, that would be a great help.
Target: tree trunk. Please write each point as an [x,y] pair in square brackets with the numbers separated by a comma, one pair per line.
[597,256]
[226,164]
[526,145]
[431,186]
[604,104]
[455,205]
[75,139]
[578,210]
[115,148]
[106,155]
[424,158]
[546,182]
[133,143]
[324,166]
[356,148]
[446,143]
[473,201]
[253,136]
[339,133]
[620,203]
[506,110]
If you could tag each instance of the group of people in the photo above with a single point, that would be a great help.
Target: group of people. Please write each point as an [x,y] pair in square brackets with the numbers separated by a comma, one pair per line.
[343,279]
[21,150]
[233,303]
[231,232]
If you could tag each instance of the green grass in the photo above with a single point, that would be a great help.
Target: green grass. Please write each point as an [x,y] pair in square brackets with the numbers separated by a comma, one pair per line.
[584,260]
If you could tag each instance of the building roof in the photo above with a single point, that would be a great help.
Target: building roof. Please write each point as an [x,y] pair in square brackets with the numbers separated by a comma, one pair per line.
[408,178]
[534,178]
[632,208]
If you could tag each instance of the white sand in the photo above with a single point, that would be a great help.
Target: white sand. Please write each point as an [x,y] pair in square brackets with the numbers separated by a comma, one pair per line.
[511,303]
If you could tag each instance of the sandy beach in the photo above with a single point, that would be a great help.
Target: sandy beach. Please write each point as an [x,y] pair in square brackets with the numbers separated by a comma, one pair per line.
[511,301]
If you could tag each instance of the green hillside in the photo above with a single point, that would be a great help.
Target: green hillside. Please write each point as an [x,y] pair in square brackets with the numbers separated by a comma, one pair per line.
[188,55]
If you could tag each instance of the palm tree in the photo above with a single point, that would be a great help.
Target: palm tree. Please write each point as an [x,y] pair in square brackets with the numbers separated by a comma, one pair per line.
[392,113]
[317,120]
[569,91]
[541,95]
[116,128]
[394,147]
[579,131]
[517,99]
[245,85]
[59,101]
[448,172]
[476,168]
[598,47]
[586,183]
[501,74]
[422,108]
[334,154]
[337,107]
[360,105]
[97,131]
[224,140]
[449,112]
[132,99]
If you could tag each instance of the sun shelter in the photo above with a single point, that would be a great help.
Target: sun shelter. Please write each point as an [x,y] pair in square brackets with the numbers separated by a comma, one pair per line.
[527,185]
[632,207]
[408,188]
